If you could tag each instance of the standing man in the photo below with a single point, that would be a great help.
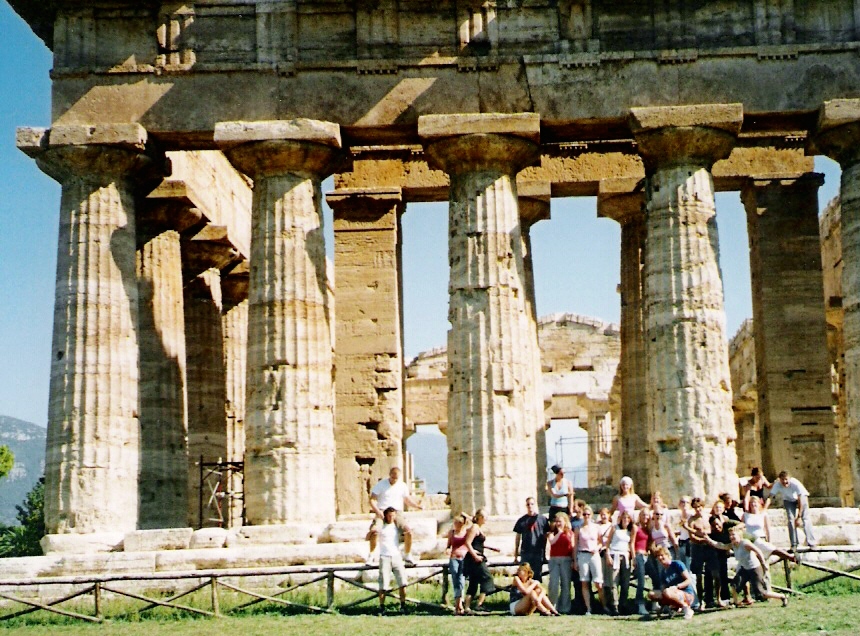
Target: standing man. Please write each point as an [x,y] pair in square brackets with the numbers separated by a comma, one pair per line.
[795,498]
[530,542]
[390,493]
[390,561]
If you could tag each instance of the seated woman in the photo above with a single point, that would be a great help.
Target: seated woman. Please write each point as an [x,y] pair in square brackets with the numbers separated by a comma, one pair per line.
[527,595]
[676,583]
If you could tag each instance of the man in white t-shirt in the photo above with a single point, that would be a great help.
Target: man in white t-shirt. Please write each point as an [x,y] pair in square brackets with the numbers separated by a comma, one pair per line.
[391,493]
[795,498]
[390,560]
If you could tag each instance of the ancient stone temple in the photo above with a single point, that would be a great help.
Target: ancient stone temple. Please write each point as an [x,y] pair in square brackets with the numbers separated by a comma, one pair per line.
[193,322]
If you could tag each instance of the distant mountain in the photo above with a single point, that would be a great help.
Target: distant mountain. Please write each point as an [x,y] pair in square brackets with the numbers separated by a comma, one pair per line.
[27,443]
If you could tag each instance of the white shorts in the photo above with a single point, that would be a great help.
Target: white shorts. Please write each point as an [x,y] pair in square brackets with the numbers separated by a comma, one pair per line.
[590,567]
[388,566]
[514,608]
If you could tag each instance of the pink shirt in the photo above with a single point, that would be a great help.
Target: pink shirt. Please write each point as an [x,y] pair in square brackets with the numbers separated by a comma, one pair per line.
[589,538]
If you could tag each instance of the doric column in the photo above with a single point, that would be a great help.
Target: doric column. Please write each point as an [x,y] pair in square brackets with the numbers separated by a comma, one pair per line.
[289,428]
[369,336]
[623,200]
[600,435]
[690,400]
[795,400]
[838,136]
[491,419]
[234,298]
[207,431]
[163,406]
[93,445]
[534,202]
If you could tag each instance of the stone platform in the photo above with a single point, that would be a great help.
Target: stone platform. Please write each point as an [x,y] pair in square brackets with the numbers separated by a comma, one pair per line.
[183,550]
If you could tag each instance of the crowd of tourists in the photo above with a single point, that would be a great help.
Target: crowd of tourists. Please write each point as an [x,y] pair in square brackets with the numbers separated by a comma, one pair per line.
[593,558]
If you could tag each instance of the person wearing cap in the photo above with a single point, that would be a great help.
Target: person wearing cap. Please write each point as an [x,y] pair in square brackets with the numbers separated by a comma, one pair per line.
[626,500]
[560,492]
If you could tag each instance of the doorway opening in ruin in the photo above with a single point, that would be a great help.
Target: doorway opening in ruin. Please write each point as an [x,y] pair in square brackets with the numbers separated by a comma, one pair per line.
[567,446]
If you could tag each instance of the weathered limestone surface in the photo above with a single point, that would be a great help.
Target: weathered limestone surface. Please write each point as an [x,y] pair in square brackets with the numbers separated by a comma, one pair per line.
[742,364]
[369,336]
[795,402]
[839,137]
[289,443]
[623,200]
[688,367]
[235,328]
[163,406]
[830,226]
[491,433]
[93,441]
[207,387]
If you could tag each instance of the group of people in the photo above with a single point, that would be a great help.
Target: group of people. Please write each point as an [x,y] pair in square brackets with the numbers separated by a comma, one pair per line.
[686,562]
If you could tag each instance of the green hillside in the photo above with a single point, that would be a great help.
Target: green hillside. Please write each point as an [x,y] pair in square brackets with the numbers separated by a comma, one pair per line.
[27,443]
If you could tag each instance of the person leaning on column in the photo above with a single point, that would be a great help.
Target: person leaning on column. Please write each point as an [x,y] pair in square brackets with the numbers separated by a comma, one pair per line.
[795,499]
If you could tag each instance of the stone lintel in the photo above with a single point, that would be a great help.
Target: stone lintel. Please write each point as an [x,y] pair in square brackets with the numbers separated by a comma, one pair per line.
[231,133]
[129,136]
[727,117]
[748,190]
[838,112]
[525,125]
[31,141]
[621,199]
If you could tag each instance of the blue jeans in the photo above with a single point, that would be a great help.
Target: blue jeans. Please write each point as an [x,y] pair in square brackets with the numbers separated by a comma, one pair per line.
[640,561]
[791,513]
[458,579]
[559,583]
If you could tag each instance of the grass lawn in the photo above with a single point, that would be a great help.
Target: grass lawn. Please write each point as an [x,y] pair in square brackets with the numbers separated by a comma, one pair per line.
[827,608]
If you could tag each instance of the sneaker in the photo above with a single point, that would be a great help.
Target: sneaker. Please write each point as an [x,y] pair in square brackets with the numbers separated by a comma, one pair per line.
[688,613]
[724,603]
[785,601]
[372,559]
[588,612]
[642,610]
[409,559]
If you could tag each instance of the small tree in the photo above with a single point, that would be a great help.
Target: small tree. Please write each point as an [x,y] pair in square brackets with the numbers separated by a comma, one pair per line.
[7,460]
[24,540]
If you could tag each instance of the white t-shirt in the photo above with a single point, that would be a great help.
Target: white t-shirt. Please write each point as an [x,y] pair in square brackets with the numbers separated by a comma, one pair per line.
[389,540]
[390,495]
[792,492]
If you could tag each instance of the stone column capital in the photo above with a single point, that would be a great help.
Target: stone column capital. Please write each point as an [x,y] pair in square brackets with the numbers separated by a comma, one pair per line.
[98,154]
[837,133]
[305,147]
[534,202]
[460,144]
[365,204]
[758,186]
[672,135]
[621,200]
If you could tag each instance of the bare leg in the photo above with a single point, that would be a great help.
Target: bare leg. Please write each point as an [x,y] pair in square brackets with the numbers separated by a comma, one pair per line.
[407,543]
[600,595]
[586,595]
[371,538]
[402,592]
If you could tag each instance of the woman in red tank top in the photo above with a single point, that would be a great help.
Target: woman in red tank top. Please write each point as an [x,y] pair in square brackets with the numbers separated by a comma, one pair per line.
[560,539]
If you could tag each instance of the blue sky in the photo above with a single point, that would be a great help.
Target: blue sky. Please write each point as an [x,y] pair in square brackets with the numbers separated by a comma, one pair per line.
[576,255]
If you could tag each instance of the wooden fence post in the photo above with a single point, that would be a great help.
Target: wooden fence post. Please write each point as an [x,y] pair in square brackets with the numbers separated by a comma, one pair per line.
[216,608]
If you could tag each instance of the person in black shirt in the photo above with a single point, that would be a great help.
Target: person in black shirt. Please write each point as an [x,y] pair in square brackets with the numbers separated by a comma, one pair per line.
[530,542]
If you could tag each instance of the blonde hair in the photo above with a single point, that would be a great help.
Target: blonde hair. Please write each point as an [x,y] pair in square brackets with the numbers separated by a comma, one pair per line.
[565,521]
[659,551]
[525,567]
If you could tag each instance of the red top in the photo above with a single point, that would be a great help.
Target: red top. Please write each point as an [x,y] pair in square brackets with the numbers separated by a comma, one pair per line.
[458,546]
[640,542]
[563,546]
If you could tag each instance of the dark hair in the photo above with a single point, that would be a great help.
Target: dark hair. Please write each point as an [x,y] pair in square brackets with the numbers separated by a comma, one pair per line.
[389,509]
[756,471]
[555,468]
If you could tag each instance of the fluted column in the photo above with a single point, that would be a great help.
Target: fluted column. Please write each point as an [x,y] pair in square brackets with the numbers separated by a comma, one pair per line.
[369,336]
[289,427]
[534,203]
[163,407]
[838,136]
[690,399]
[795,400]
[235,325]
[491,420]
[624,202]
[93,444]
[207,388]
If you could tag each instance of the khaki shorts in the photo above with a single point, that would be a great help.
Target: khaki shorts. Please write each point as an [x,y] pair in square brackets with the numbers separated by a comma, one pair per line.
[590,567]
[388,566]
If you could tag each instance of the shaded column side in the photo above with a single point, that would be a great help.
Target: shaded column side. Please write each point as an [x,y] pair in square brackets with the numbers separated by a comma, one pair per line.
[795,410]
[369,352]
